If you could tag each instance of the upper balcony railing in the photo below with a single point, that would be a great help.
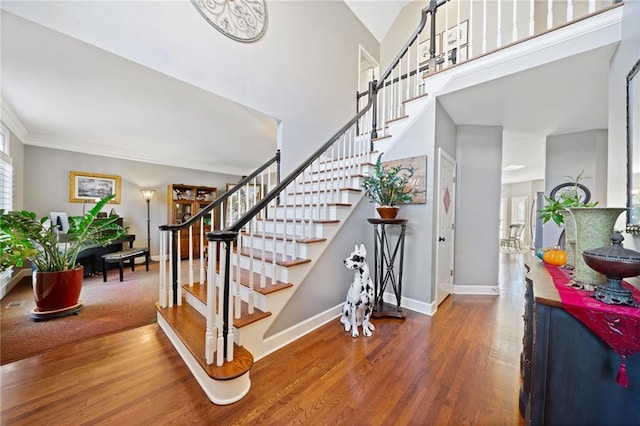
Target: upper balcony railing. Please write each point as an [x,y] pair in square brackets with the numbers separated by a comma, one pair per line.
[455,31]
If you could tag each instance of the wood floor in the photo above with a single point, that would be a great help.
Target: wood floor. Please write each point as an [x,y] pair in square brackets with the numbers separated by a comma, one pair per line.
[459,367]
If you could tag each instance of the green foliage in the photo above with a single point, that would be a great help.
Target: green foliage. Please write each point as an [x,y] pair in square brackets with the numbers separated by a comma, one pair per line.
[25,237]
[566,199]
[388,186]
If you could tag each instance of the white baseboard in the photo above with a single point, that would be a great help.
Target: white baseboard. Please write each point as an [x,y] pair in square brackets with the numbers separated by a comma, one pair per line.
[489,290]
[285,337]
[411,304]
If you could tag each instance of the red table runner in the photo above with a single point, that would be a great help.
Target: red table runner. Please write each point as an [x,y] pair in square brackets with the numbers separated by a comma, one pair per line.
[617,325]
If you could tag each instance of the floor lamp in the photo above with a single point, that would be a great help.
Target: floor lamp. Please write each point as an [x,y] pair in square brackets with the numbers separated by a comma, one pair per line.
[147,194]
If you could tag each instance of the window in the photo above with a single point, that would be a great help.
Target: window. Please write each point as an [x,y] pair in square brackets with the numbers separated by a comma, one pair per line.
[6,172]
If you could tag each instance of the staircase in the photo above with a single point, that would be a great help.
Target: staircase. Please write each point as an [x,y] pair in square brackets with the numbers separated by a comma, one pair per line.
[271,256]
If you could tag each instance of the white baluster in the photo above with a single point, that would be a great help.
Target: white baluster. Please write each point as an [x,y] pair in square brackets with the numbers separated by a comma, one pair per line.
[190,256]
[211,307]
[162,296]
[201,247]
[514,31]
[592,6]
[219,303]
[569,10]
[458,37]
[237,298]
[499,35]
[470,32]
[532,22]
[484,26]
[445,41]
[549,14]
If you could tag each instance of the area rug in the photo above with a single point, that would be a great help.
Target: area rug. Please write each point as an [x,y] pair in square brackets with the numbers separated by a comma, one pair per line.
[107,308]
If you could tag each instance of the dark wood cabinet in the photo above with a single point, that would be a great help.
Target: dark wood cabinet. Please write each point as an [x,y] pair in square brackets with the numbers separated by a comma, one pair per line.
[184,201]
[569,372]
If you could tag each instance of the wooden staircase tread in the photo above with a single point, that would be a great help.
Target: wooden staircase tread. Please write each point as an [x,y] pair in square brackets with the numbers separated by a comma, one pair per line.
[380,138]
[244,280]
[268,257]
[393,120]
[280,237]
[199,291]
[190,326]
[424,95]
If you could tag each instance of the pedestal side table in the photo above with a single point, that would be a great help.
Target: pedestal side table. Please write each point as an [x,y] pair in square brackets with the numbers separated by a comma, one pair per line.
[388,263]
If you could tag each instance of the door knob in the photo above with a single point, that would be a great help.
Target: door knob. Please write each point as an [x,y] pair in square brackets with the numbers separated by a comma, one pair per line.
[442,239]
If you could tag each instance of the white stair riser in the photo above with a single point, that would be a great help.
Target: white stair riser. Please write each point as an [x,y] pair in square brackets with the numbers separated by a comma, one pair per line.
[316,212]
[343,196]
[331,184]
[307,230]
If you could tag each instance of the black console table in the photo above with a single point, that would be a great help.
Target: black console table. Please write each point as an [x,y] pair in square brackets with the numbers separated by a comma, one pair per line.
[387,256]
[568,371]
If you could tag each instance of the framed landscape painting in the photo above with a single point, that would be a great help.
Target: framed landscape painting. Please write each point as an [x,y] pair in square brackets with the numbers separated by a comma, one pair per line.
[88,187]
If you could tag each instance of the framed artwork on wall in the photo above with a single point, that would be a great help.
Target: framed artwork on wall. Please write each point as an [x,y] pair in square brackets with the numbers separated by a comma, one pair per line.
[418,181]
[458,32]
[84,187]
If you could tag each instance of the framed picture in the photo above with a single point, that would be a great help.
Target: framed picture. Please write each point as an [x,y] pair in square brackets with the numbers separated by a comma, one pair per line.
[423,48]
[418,181]
[85,187]
[241,200]
[458,32]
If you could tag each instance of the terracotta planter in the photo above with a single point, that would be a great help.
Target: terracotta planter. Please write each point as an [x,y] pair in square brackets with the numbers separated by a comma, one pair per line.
[54,291]
[388,212]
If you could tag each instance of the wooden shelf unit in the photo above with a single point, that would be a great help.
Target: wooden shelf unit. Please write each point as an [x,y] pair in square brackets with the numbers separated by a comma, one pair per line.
[184,201]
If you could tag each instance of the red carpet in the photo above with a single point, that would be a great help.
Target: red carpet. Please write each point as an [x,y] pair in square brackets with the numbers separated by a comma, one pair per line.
[107,308]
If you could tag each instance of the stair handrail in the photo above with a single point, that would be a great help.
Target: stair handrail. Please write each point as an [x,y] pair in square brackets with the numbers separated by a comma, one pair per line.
[271,195]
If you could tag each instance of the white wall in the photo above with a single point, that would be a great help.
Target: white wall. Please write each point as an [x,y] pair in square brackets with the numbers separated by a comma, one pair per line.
[46,187]
[569,155]
[627,54]
[303,71]
[479,157]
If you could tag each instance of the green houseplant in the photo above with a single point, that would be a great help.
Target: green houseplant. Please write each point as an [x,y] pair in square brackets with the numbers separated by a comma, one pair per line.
[388,187]
[25,237]
[564,196]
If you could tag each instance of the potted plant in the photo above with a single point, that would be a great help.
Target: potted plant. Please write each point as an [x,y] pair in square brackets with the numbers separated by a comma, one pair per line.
[57,278]
[564,196]
[388,187]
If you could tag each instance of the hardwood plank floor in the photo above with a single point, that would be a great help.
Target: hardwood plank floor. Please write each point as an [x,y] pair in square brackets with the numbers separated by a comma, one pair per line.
[459,367]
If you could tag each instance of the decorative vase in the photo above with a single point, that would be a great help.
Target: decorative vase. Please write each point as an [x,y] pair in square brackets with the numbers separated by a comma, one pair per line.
[594,226]
[388,212]
[56,291]
[569,237]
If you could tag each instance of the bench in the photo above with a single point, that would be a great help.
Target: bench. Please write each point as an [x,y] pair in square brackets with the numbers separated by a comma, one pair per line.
[120,257]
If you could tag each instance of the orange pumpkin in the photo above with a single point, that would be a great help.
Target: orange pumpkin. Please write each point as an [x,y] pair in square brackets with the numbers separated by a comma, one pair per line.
[555,257]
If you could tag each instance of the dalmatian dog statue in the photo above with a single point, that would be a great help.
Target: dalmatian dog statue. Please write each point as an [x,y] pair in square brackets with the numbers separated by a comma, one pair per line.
[360,299]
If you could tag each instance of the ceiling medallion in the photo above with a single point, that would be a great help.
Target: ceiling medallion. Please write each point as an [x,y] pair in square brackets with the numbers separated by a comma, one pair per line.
[241,20]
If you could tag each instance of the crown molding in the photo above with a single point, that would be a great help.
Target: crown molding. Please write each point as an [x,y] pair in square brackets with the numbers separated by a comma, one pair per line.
[10,119]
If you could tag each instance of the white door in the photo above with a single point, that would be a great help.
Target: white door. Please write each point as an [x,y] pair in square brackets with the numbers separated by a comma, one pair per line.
[446,218]
[368,70]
